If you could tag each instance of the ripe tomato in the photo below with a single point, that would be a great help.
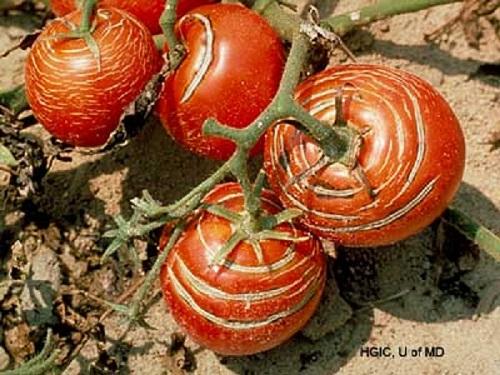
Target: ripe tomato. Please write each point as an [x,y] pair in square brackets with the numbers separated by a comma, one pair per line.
[410,163]
[249,304]
[231,72]
[147,11]
[75,100]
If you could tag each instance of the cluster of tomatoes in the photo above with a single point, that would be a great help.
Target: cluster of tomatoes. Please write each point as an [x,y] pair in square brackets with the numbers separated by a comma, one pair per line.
[407,166]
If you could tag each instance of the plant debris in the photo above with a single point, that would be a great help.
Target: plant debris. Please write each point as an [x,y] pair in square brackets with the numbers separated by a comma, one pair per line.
[37,298]
[25,43]
[469,18]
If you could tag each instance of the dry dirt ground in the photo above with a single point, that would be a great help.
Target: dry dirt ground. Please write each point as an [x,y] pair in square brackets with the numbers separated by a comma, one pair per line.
[404,296]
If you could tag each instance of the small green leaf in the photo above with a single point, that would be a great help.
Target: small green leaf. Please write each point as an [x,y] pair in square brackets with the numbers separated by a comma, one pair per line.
[222,253]
[281,236]
[112,248]
[6,157]
[42,363]
[112,233]
[221,211]
[123,309]
[141,322]
[119,220]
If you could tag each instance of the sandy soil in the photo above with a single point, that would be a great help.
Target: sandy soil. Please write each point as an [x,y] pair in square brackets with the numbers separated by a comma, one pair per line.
[403,296]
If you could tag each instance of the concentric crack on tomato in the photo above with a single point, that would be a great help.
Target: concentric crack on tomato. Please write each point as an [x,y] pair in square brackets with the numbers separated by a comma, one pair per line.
[78,99]
[410,161]
[259,296]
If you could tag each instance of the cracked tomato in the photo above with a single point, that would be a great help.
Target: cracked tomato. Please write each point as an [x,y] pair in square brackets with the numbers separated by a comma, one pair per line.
[78,97]
[231,72]
[409,164]
[263,292]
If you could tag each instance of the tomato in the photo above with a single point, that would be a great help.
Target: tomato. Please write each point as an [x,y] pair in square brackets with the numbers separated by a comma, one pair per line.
[147,11]
[410,162]
[248,304]
[77,98]
[231,73]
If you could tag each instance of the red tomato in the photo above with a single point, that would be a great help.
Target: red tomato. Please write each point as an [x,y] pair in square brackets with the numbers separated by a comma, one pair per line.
[410,162]
[147,11]
[69,95]
[248,304]
[231,72]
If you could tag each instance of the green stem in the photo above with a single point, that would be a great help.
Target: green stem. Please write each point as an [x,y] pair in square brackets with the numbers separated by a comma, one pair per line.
[228,247]
[239,169]
[293,67]
[260,5]
[344,23]
[187,203]
[269,222]
[167,23]
[223,212]
[160,41]
[87,12]
[282,106]
[334,141]
[153,274]
[473,230]
[287,24]
[42,363]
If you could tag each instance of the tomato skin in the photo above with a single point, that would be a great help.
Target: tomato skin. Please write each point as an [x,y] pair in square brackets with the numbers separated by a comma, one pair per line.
[238,308]
[244,69]
[412,156]
[74,100]
[147,11]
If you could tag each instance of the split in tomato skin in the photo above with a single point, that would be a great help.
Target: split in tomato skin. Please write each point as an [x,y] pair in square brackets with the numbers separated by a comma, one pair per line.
[231,72]
[77,98]
[245,305]
[410,162]
[146,11]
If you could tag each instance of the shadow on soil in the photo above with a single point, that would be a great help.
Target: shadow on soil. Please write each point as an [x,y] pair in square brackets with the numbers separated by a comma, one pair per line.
[324,356]
[428,54]
[437,276]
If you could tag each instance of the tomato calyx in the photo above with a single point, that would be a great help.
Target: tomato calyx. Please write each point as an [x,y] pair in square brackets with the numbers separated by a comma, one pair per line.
[345,152]
[84,31]
[252,230]
[352,139]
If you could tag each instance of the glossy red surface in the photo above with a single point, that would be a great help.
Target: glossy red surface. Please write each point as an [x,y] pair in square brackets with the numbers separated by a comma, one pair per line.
[231,72]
